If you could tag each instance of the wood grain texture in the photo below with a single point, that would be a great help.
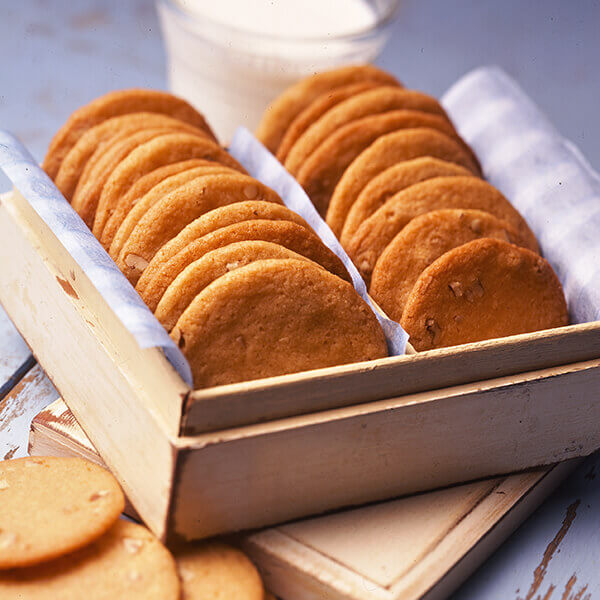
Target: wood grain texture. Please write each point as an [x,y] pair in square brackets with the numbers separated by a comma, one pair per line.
[15,358]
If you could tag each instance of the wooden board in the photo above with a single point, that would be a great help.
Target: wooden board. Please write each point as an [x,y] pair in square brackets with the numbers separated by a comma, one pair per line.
[408,548]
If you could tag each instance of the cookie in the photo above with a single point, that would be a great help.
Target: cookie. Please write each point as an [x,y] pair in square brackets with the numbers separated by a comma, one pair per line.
[166,149]
[100,166]
[126,562]
[481,290]
[216,571]
[285,108]
[317,109]
[372,237]
[323,169]
[95,138]
[424,240]
[202,272]
[52,506]
[274,317]
[390,182]
[114,104]
[161,273]
[173,212]
[385,152]
[216,219]
[371,102]
[135,203]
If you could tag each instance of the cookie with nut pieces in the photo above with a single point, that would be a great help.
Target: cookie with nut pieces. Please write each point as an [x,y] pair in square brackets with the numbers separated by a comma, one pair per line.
[52,506]
[161,151]
[386,151]
[164,220]
[114,104]
[373,236]
[202,272]
[217,571]
[287,106]
[484,289]
[391,181]
[422,241]
[160,273]
[274,317]
[126,562]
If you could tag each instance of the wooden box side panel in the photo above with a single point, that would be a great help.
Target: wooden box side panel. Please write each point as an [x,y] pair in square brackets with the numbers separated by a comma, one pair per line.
[131,438]
[362,454]
[147,371]
[325,389]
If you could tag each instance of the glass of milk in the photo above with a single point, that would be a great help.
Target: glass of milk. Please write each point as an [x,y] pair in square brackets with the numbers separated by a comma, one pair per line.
[231,58]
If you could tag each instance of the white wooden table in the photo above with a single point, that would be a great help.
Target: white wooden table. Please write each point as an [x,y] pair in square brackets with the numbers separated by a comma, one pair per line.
[56,56]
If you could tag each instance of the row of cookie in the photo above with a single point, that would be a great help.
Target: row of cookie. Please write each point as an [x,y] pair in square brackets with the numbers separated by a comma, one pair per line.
[179,215]
[376,158]
[61,537]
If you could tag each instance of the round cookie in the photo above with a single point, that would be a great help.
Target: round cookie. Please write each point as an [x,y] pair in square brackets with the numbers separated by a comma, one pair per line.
[385,152]
[173,212]
[100,166]
[166,149]
[483,289]
[134,206]
[316,110]
[391,181]
[114,104]
[216,219]
[382,226]
[95,138]
[274,317]
[216,571]
[199,274]
[323,169]
[288,105]
[424,240]
[51,506]
[368,103]
[126,562]
[161,273]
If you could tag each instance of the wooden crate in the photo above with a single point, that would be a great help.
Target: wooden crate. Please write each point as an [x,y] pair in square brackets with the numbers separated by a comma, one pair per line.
[403,549]
[242,456]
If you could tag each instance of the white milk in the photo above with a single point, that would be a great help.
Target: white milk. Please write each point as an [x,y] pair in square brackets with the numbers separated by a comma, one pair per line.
[230,58]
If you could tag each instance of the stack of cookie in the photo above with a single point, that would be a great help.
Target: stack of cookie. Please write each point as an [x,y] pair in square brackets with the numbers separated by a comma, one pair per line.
[242,283]
[61,537]
[443,251]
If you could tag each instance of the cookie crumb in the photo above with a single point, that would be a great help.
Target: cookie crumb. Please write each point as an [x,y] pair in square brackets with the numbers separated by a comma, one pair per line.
[456,288]
[432,328]
[7,539]
[135,262]
[99,494]
[3,484]
[132,545]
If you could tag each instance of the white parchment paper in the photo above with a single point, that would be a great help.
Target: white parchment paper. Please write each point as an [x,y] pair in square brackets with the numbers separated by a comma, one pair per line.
[544,176]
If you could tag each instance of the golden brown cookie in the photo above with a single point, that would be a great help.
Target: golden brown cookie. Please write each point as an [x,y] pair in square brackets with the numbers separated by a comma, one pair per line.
[391,181]
[51,506]
[273,317]
[134,206]
[161,273]
[114,104]
[126,562]
[371,102]
[385,152]
[173,212]
[317,109]
[101,165]
[372,237]
[216,219]
[95,138]
[481,290]
[422,241]
[286,107]
[202,272]
[216,571]
[323,169]
[164,150]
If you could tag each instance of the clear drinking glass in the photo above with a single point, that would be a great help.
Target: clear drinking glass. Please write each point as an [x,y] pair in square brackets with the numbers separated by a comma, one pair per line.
[231,72]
